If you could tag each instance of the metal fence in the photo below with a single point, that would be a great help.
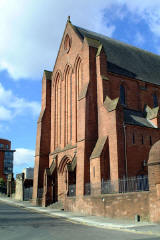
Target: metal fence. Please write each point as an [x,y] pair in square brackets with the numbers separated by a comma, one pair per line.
[27,193]
[40,192]
[87,189]
[72,190]
[125,185]
[133,184]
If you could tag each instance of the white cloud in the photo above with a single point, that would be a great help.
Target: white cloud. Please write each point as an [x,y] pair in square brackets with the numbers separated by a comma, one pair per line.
[12,106]
[31,31]
[5,114]
[23,158]
[147,10]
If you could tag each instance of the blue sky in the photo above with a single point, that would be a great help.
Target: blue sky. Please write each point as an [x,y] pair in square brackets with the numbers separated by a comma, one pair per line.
[31,32]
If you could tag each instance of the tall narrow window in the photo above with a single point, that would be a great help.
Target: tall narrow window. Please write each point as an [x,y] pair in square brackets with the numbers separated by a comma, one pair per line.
[68,106]
[78,86]
[150,140]
[122,94]
[142,139]
[133,138]
[155,100]
[57,124]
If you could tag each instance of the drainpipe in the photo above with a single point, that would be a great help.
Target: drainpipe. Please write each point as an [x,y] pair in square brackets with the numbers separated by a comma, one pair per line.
[125,151]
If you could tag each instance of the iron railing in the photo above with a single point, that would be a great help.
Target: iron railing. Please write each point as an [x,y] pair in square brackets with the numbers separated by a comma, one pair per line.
[40,192]
[72,190]
[125,185]
[132,184]
[87,189]
[27,194]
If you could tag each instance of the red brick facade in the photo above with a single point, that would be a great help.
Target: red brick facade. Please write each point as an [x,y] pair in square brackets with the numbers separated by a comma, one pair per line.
[5,169]
[84,132]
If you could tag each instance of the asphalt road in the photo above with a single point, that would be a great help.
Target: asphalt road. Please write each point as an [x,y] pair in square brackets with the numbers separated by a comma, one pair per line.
[20,224]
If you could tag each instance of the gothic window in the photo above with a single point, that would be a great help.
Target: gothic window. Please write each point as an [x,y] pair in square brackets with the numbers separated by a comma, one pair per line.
[78,76]
[68,106]
[67,43]
[57,110]
[122,94]
[155,100]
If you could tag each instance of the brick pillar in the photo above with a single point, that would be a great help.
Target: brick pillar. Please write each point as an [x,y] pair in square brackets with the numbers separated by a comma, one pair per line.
[80,168]
[95,176]
[154,182]
[107,120]
[80,179]
[43,137]
[47,191]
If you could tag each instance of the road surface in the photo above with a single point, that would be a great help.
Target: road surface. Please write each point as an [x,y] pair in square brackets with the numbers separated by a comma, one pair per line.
[17,223]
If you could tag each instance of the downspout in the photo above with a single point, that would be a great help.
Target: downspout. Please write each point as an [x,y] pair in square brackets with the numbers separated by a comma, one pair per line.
[125,150]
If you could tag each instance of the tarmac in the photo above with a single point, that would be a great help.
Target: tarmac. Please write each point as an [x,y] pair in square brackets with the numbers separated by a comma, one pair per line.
[94,221]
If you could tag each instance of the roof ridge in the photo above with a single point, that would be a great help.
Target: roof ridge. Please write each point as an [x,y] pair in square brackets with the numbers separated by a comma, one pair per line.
[125,59]
[116,40]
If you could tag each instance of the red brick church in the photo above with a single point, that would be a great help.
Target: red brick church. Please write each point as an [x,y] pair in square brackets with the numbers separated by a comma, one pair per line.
[99,116]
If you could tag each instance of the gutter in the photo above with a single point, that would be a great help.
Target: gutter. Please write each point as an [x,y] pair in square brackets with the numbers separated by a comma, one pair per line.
[125,151]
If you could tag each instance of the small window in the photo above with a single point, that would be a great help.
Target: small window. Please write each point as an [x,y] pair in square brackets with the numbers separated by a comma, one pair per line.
[155,100]
[133,139]
[142,139]
[150,140]
[7,146]
[67,43]
[122,94]
[1,145]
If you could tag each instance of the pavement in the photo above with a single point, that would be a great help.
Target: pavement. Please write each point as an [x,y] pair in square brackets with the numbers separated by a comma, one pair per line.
[101,222]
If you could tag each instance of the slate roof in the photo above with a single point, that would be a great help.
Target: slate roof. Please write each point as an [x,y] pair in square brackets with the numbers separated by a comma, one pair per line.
[136,118]
[125,59]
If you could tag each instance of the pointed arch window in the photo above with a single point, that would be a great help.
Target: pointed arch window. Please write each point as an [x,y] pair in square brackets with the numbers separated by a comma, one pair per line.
[122,95]
[155,100]
[57,110]
[68,106]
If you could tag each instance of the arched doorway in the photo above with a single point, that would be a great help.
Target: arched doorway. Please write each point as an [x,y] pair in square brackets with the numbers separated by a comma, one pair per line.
[67,175]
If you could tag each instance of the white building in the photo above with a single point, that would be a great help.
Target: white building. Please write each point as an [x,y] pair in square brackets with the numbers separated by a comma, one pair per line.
[28,173]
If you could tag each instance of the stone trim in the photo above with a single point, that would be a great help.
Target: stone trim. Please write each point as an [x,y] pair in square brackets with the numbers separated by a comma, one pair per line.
[154,163]
[41,116]
[71,166]
[59,150]
[48,74]
[83,91]
[151,112]
[81,140]
[99,50]
[109,104]
[104,77]
[98,147]
[92,42]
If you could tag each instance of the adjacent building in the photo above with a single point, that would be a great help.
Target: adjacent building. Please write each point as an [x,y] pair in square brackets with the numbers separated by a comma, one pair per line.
[99,116]
[6,158]
[28,173]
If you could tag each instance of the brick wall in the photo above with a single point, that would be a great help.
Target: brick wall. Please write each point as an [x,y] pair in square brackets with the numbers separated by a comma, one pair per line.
[111,205]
